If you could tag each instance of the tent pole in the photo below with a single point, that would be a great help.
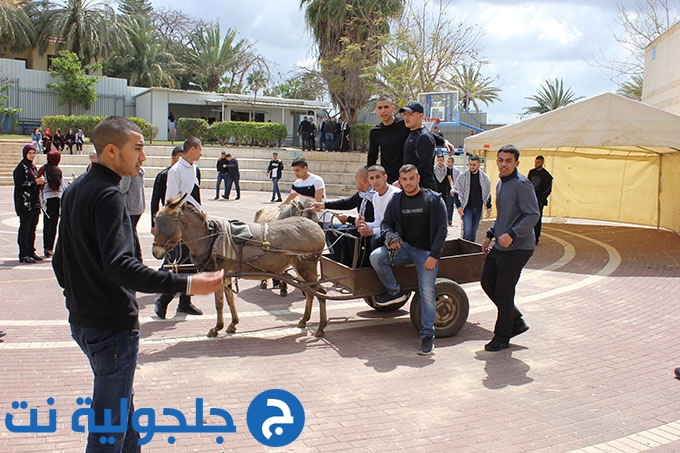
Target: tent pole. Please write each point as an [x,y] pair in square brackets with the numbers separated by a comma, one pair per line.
[660,188]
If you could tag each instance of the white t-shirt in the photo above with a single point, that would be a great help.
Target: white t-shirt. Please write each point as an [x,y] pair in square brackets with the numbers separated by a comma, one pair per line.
[182,178]
[307,188]
[379,205]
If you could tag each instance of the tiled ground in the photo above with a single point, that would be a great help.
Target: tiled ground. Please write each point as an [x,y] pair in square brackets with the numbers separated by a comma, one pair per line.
[594,373]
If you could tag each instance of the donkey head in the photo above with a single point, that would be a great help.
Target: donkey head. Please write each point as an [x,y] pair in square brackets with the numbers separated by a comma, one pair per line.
[168,232]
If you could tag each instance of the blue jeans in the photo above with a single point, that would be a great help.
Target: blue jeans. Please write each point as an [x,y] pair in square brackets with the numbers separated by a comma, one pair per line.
[221,177]
[330,141]
[407,254]
[113,358]
[321,135]
[276,193]
[471,221]
[232,180]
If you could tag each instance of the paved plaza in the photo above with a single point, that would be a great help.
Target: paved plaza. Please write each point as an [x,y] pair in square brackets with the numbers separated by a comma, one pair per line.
[593,374]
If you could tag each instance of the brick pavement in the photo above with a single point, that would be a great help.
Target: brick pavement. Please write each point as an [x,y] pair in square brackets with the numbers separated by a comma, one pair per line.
[593,374]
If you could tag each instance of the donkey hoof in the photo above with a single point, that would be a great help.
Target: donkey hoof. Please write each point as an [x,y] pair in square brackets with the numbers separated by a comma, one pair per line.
[319,333]
[302,324]
[284,292]
[231,329]
[212,333]
[263,284]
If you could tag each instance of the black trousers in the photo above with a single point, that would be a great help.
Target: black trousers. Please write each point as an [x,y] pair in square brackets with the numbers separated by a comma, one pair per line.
[50,222]
[499,279]
[537,227]
[28,221]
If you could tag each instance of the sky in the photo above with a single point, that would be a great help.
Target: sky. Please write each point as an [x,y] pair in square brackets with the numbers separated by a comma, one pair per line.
[524,42]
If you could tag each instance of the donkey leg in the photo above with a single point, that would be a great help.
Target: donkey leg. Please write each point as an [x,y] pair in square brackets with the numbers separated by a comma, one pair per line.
[232,308]
[309,299]
[219,308]
[323,317]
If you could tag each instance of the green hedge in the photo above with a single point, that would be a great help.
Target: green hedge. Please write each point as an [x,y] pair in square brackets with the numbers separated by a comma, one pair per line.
[88,123]
[238,132]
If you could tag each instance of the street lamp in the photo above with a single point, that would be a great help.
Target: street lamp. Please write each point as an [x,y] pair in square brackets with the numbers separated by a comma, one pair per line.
[192,84]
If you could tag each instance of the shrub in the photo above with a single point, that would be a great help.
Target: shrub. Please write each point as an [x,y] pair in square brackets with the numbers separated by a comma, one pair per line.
[196,127]
[86,123]
[240,132]
[148,130]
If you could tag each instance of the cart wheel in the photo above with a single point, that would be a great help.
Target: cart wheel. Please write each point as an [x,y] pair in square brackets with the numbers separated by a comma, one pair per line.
[452,308]
[371,303]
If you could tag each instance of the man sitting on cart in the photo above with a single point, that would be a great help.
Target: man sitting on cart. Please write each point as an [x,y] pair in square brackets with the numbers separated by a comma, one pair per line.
[414,228]
[343,238]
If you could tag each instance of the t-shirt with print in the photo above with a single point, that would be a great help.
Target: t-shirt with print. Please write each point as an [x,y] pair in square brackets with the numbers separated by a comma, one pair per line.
[415,214]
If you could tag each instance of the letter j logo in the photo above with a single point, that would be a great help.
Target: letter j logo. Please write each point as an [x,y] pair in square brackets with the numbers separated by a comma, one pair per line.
[275,418]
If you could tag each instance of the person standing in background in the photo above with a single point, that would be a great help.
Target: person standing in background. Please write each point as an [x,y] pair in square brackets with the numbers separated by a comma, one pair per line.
[274,171]
[452,175]
[233,177]
[132,188]
[222,175]
[542,181]
[51,193]
[472,195]
[172,128]
[27,204]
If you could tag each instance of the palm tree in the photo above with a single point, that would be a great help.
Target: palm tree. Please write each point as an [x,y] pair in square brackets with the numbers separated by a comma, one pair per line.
[350,36]
[256,81]
[473,87]
[632,89]
[88,28]
[551,96]
[213,55]
[145,63]
[16,28]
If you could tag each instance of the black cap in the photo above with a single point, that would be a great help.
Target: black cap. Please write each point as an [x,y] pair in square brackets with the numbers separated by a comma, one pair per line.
[412,107]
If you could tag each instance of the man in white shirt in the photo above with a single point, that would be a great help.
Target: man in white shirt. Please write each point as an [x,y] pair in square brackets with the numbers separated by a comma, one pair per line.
[377,177]
[182,178]
[308,185]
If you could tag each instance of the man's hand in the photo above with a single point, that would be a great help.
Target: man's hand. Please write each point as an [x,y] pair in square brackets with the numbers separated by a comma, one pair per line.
[342,218]
[461,212]
[486,246]
[488,213]
[317,206]
[40,181]
[207,282]
[430,263]
[449,146]
[505,240]
[153,230]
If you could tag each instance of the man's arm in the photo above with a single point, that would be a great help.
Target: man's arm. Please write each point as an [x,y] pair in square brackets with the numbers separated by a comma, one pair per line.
[345,204]
[373,149]
[528,207]
[172,183]
[438,216]
[425,151]
[157,195]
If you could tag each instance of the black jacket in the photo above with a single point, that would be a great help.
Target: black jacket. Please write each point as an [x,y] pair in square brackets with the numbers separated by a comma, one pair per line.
[94,259]
[353,202]
[26,191]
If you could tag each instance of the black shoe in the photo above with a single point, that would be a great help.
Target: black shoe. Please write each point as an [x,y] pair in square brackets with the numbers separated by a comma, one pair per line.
[238,197]
[677,373]
[189,309]
[389,299]
[426,346]
[27,260]
[216,198]
[160,308]
[536,241]
[48,254]
[2,334]
[36,257]
[519,328]
[496,345]
[271,201]
[279,200]
[225,197]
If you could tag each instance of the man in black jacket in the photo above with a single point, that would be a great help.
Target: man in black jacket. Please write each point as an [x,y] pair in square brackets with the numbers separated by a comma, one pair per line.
[222,175]
[95,263]
[542,181]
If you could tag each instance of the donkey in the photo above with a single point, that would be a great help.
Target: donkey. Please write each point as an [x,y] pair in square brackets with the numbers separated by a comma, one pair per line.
[298,207]
[295,242]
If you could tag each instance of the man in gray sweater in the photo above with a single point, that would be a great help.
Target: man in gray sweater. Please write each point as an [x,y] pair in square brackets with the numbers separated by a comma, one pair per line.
[513,232]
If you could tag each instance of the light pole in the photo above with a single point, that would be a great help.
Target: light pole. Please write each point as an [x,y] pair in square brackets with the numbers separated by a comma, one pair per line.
[192,84]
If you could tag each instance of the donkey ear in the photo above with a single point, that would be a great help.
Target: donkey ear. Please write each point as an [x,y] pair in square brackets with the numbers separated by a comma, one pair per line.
[177,200]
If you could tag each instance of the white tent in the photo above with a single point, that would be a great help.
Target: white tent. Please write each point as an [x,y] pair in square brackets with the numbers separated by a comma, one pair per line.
[612,159]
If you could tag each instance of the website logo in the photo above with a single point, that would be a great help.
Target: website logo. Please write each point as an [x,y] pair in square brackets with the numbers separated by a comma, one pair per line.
[275,418]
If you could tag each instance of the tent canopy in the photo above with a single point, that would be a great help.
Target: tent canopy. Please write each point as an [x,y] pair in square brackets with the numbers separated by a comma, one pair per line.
[612,159]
